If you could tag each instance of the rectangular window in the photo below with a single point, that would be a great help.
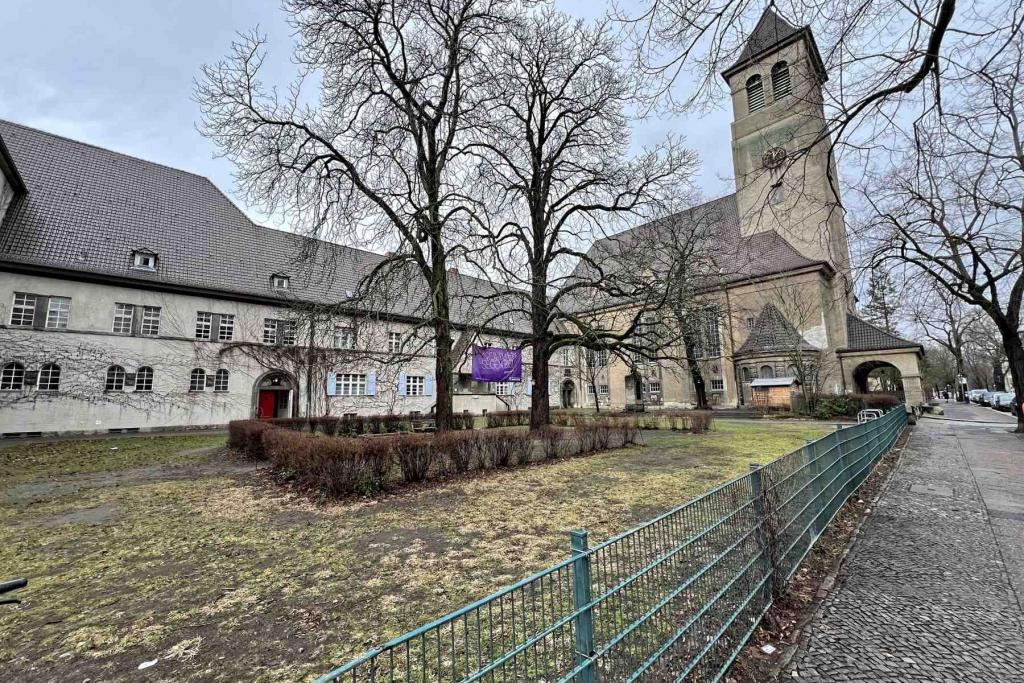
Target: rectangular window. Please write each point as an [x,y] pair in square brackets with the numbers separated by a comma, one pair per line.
[57,313]
[713,341]
[204,325]
[605,389]
[226,328]
[351,385]
[23,312]
[567,356]
[269,331]
[123,316]
[718,385]
[414,385]
[150,321]
[394,342]
[344,338]
[288,332]
[590,390]
[144,379]
[750,322]
[654,387]
[503,388]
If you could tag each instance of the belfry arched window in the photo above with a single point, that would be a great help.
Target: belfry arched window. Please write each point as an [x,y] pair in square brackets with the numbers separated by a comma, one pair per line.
[755,93]
[781,85]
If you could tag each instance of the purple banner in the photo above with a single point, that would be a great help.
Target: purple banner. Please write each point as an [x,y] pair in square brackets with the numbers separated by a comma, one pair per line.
[491,364]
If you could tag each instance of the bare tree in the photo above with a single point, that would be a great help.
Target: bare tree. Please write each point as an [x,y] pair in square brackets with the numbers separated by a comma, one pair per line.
[947,321]
[883,304]
[953,212]
[380,158]
[555,159]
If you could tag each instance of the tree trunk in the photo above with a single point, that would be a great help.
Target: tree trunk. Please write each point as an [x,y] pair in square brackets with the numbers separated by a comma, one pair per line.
[540,402]
[1015,355]
[443,339]
[700,393]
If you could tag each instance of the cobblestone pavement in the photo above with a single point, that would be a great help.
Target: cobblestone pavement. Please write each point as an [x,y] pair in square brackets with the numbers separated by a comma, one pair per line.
[925,594]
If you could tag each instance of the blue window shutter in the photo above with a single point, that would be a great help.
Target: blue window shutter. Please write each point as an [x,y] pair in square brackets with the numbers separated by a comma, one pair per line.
[371,384]
[428,385]
[401,384]
[332,384]
[529,387]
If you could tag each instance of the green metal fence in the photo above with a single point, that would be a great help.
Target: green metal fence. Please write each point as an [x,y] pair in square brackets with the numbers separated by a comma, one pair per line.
[672,600]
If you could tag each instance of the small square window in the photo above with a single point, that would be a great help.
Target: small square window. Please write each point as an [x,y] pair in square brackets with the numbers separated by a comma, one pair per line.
[718,385]
[414,385]
[344,338]
[750,322]
[143,260]
[280,281]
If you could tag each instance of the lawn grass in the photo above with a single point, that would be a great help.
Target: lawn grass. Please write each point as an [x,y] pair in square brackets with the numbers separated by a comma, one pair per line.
[224,576]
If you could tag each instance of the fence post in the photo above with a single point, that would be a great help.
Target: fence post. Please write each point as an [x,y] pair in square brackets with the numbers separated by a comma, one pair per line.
[581,601]
[765,536]
[811,448]
[843,463]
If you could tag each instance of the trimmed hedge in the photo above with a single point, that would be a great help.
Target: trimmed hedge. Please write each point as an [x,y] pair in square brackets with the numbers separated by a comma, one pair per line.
[339,466]
[508,418]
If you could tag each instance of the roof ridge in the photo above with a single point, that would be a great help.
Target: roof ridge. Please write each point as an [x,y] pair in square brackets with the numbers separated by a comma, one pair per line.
[105,149]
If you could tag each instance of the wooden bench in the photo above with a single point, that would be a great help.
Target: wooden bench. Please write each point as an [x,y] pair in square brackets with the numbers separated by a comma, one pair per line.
[426,425]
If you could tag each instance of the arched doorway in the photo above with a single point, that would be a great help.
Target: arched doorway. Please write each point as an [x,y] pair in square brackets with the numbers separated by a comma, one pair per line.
[274,395]
[568,394]
[878,377]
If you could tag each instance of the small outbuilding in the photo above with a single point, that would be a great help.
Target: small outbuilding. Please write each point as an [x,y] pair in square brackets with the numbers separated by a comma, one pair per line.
[773,392]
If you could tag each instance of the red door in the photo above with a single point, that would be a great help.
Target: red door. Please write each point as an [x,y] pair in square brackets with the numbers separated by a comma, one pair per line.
[267,404]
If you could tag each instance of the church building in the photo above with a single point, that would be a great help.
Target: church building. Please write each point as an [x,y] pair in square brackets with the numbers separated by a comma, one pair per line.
[784,301]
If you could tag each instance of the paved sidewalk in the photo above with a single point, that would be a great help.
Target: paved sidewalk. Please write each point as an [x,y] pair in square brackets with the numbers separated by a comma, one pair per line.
[925,594]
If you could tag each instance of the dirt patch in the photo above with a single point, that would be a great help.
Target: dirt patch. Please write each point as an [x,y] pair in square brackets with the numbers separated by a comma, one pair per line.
[101,514]
[783,624]
[73,484]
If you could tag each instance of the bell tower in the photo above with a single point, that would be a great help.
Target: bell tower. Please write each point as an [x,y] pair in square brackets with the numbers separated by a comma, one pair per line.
[785,178]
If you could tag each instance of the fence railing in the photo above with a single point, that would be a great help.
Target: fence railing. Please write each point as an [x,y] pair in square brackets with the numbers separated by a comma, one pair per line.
[674,599]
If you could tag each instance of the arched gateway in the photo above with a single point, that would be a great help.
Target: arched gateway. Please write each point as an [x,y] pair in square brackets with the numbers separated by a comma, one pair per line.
[878,361]
[274,395]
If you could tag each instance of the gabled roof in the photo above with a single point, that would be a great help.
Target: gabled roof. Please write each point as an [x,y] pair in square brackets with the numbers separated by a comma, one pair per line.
[772,333]
[771,33]
[88,208]
[864,336]
[735,258]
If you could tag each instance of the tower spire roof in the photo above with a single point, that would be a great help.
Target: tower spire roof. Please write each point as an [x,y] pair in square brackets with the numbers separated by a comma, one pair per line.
[772,32]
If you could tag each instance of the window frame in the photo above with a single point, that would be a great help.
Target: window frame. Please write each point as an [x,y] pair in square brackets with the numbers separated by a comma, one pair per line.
[148,320]
[51,372]
[415,385]
[218,386]
[755,96]
[12,376]
[717,384]
[270,327]
[347,332]
[196,380]
[351,384]
[115,379]
[226,327]
[120,317]
[204,322]
[66,311]
[144,379]
[280,282]
[777,75]
[395,343]
[138,256]
[26,308]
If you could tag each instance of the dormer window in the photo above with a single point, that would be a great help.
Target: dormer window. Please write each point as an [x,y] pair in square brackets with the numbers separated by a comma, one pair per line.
[143,260]
[280,281]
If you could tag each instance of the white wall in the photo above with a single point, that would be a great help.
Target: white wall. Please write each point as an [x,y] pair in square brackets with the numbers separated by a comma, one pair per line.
[87,347]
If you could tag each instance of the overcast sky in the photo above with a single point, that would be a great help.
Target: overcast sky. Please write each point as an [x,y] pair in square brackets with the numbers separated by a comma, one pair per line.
[119,74]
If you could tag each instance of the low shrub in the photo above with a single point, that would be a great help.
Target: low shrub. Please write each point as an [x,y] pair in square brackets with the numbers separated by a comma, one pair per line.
[246,437]
[456,450]
[885,402]
[508,418]
[415,455]
[463,421]
[701,421]
[556,442]
[836,405]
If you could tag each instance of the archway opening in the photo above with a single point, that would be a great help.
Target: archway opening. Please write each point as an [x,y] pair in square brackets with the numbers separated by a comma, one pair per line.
[879,377]
[274,396]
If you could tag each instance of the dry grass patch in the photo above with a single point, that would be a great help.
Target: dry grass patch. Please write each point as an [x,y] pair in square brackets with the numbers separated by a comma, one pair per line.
[224,576]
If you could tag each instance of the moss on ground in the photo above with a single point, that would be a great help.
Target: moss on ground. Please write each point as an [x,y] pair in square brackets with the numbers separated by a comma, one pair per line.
[224,576]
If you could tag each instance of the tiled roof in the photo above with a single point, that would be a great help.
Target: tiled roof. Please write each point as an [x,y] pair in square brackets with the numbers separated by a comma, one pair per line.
[771,30]
[88,208]
[772,333]
[863,336]
[731,257]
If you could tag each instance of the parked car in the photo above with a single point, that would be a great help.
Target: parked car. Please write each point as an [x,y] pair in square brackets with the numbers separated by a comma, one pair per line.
[986,398]
[1003,400]
[974,395]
